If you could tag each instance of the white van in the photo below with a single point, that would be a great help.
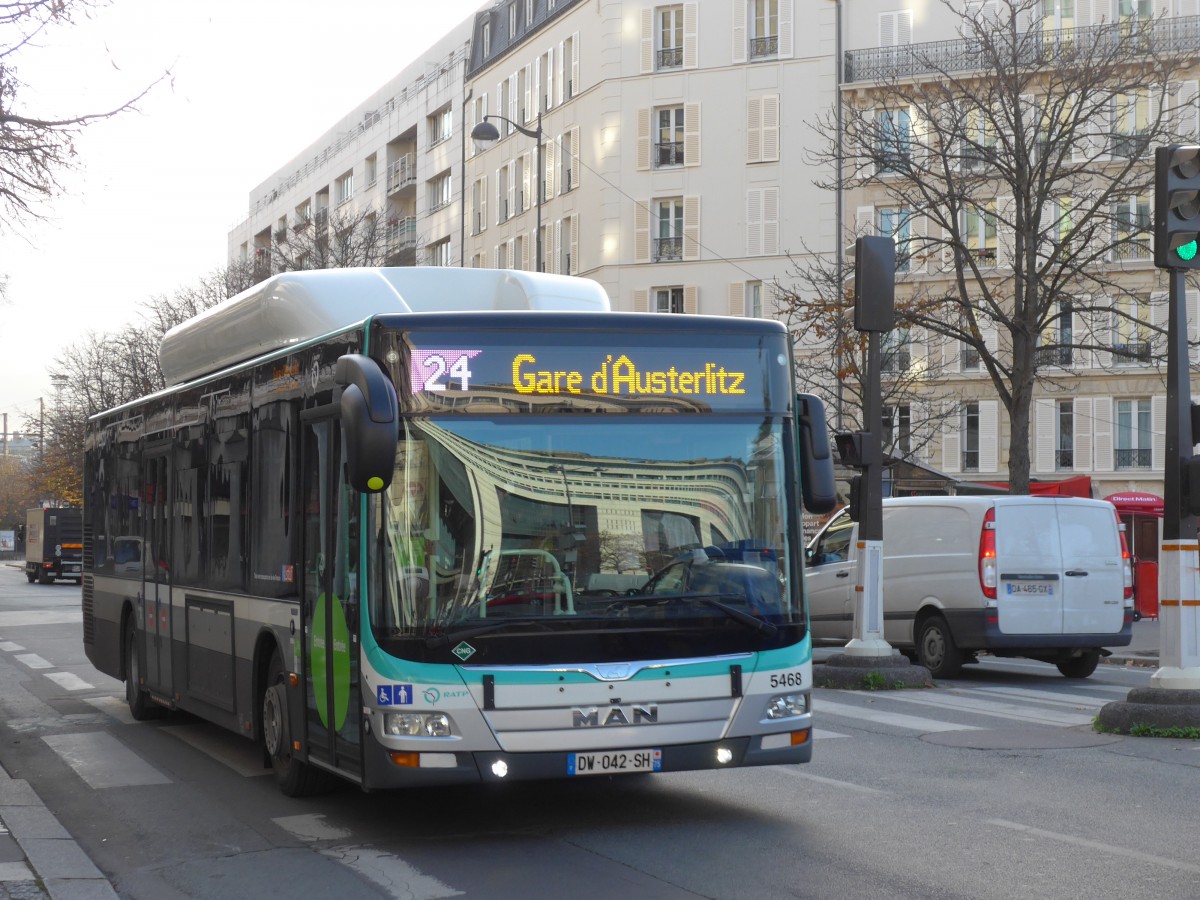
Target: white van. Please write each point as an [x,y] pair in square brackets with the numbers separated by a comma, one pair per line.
[1042,577]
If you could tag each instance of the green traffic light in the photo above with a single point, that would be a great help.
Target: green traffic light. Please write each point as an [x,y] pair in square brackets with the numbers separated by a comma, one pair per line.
[1186,252]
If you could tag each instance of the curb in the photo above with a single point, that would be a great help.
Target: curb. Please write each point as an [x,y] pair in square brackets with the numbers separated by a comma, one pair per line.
[53,862]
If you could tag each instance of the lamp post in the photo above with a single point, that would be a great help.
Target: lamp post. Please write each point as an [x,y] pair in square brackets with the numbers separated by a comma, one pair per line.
[485,134]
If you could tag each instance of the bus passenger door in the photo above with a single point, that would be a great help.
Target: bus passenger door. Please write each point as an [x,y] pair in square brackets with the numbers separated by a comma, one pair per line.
[333,709]
[156,575]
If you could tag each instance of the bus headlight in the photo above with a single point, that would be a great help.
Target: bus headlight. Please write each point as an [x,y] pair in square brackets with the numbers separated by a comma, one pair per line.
[787,706]
[409,724]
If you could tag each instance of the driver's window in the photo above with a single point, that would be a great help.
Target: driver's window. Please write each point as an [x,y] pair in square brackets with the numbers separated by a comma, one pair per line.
[671,581]
[834,545]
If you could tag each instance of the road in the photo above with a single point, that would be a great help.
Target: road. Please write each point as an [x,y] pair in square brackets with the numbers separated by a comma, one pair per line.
[992,785]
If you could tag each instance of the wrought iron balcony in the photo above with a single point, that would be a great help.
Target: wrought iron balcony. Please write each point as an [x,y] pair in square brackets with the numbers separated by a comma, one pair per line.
[668,153]
[764,46]
[668,248]
[670,58]
[1035,49]
[1132,352]
[1053,356]
[1064,459]
[1139,458]
[970,460]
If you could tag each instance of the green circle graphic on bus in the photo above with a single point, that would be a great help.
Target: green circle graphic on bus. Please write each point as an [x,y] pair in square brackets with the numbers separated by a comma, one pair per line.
[319,658]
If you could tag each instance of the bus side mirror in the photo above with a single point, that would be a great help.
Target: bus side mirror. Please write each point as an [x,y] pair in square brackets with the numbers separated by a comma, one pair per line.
[370,422]
[817,483]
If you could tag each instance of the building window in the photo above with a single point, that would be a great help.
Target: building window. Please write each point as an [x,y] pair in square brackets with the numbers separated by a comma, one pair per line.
[1131,121]
[528,13]
[1064,443]
[371,170]
[764,28]
[1131,228]
[345,187]
[1131,334]
[1133,434]
[969,360]
[440,126]
[970,437]
[979,145]
[979,233]
[487,39]
[897,430]
[668,242]
[896,222]
[754,299]
[668,146]
[440,193]
[478,202]
[670,37]
[1057,337]
[512,19]
[564,260]
[439,253]
[895,351]
[303,214]
[668,300]
[895,139]
[567,145]
[1057,15]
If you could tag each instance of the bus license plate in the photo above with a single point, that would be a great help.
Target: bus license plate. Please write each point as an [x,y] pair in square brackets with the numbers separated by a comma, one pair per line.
[614,762]
[1040,588]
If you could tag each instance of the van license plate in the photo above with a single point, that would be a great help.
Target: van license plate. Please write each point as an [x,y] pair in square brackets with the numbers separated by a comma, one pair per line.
[1042,589]
[613,763]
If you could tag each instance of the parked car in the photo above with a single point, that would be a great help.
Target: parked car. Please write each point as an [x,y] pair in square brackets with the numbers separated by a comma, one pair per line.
[1047,578]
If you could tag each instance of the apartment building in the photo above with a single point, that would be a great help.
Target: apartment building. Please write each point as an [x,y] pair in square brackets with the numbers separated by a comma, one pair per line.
[663,149]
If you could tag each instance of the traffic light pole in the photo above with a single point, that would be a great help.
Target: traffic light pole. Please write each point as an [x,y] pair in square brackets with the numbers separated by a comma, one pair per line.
[1179,554]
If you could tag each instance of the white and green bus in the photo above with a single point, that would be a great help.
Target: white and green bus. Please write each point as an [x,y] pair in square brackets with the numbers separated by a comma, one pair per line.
[424,526]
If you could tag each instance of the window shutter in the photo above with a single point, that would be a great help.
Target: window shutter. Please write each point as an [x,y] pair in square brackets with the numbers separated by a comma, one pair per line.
[918,244]
[691,227]
[550,78]
[1102,433]
[1082,449]
[574,267]
[754,129]
[771,221]
[499,199]
[691,134]
[1158,428]
[864,221]
[525,254]
[556,258]
[737,298]
[483,189]
[691,31]
[527,182]
[576,168]
[770,128]
[785,29]
[641,300]
[739,31]
[575,64]
[647,56]
[512,188]
[1046,433]
[989,435]
[690,299]
[641,231]
[951,438]
[530,112]
[564,70]
[1158,312]
[513,105]
[548,151]
[887,29]
[754,201]
[643,138]
[535,90]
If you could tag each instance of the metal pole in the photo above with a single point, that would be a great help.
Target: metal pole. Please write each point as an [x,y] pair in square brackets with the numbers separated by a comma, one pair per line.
[541,173]
[1177,521]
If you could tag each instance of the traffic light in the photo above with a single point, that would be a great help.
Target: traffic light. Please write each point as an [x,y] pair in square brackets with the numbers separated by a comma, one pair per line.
[1177,206]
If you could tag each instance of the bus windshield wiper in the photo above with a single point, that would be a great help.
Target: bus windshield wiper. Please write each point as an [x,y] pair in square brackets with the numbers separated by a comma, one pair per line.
[464,634]
[744,618]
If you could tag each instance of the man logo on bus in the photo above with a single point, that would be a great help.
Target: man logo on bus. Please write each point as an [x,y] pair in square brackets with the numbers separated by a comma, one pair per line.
[635,715]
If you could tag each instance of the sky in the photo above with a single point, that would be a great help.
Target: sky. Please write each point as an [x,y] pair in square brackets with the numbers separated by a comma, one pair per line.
[156,191]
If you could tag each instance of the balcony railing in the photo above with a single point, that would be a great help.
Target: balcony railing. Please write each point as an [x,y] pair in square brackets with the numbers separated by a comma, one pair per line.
[668,153]
[1064,459]
[401,235]
[764,46]
[402,173]
[668,248]
[670,58]
[970,460]
[1132,352]
[1129,145]
[1132,247]
[1133,458]
[1053,356]
[1035,49]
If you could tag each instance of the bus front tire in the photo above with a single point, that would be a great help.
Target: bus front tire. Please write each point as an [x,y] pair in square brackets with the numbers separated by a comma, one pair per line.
[140,706]
[295,778]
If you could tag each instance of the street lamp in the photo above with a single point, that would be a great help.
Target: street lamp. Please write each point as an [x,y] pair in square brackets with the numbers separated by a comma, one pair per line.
[485,134]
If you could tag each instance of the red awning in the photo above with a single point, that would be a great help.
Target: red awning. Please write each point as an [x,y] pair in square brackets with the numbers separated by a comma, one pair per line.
[1075,486]
[1137,504]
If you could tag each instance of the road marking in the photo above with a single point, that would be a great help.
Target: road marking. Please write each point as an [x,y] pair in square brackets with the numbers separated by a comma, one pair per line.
[999,710]
[1113,849]
[34,661]
[1055,697]
[833,782]
[878,716]
[10,647]
[113,706]
[311,827]
[70,681]
[103,761]
[394,875]
[18,617]
[243,756]
[821,734]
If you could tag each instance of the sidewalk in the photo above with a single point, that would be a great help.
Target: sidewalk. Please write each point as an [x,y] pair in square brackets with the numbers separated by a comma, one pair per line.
[38,858]
[1143,651]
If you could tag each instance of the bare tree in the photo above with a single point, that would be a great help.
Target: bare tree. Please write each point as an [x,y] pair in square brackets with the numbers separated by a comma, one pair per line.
[34,149]
[1017,160]
[331,240]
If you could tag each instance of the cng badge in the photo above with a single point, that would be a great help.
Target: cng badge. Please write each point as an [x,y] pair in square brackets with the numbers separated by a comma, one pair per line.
[464,651]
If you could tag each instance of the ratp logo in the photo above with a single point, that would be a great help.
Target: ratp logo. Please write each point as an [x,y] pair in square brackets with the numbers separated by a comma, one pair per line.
[432,695]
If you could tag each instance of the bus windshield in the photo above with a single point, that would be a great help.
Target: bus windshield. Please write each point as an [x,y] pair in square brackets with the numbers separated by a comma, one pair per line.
[499,531]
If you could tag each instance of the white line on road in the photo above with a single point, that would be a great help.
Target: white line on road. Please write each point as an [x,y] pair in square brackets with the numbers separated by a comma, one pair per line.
[18,617]
[69,681]
[1113,849]
[394,875]
[833,782]
[103,761]
[34,661]
[821,734]
[311,827]
[10,647]
[878,716]
[1000,710]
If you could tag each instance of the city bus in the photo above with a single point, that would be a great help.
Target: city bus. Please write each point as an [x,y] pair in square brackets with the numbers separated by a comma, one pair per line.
[423,526]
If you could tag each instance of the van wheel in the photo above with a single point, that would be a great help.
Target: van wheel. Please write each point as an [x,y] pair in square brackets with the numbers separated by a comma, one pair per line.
[936,649]
[1137,616]
[1080,666]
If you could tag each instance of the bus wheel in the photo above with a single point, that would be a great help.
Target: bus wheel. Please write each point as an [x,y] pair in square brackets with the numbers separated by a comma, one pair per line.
[936,649]
[140,706]
[295,778]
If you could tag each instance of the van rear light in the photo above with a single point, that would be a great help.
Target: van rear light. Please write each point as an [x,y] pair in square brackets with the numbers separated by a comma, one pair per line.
[1126,561]
[987,555]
